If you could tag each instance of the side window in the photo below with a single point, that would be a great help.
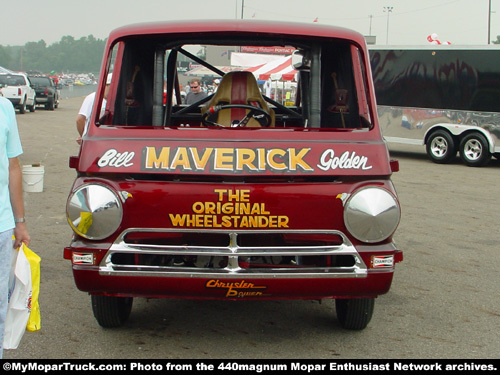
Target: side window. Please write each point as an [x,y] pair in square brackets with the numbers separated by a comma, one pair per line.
[360,76]
[339,107]
[131,92]
[107,108]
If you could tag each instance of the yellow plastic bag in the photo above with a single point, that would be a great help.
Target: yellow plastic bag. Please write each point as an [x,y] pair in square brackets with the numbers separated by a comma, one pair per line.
[35,318]
[18,310]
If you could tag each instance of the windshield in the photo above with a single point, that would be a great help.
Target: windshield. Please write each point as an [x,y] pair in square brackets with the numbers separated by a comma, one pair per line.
[162,83]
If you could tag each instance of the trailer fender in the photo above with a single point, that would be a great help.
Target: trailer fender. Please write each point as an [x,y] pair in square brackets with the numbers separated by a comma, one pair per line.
[459,130]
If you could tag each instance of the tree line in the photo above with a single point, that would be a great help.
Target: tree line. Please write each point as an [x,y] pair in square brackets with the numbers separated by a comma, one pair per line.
[69,55]
[66,56]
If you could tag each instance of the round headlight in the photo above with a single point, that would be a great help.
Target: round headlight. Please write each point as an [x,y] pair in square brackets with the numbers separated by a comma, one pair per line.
[371,214]
[94,211]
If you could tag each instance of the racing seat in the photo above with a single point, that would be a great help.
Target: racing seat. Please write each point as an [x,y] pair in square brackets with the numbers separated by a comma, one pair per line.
[238,103]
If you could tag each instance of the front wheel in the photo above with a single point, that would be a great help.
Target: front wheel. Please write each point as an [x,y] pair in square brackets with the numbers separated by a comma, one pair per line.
[111,312]
[354,313]
[441,147]
[474,150]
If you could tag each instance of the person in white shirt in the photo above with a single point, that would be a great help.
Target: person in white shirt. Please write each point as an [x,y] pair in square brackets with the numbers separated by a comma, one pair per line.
[83,117]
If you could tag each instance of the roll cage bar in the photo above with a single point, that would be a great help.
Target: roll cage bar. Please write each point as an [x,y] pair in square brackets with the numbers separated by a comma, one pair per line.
[173,87]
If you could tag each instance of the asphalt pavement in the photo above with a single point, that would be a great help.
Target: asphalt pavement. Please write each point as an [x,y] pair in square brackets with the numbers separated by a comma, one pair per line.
[444,301]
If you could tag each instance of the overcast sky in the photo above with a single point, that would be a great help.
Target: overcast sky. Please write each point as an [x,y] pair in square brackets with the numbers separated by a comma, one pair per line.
[410,21]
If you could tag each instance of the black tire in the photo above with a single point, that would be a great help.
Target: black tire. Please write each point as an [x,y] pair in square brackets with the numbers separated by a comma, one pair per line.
[111,312]
[474,150]
[50,105]
[354,313]
[441,147]
[22,107]
[32,108]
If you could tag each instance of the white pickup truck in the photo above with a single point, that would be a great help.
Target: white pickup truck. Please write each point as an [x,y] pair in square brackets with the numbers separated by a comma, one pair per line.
[17,88]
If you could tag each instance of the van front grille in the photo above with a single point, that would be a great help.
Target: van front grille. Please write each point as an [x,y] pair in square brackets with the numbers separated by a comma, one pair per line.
[233,254]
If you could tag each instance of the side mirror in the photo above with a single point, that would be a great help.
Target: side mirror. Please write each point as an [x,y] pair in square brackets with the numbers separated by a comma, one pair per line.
[301,60]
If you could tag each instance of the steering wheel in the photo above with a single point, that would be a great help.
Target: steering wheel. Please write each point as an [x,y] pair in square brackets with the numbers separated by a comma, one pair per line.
[257,113]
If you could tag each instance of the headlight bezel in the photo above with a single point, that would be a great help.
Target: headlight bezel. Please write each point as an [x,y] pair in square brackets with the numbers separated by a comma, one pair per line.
[102,203]
[372,214]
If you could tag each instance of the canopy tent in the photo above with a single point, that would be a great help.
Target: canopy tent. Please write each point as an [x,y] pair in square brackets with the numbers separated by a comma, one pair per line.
[247,60]
[277,70]
[203,71]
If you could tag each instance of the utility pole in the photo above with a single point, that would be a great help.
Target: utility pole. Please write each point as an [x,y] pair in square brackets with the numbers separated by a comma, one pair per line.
[388,10]
[489,21]
[242,8]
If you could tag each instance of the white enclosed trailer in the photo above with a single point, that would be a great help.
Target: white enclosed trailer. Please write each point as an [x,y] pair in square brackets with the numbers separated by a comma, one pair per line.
[442,96]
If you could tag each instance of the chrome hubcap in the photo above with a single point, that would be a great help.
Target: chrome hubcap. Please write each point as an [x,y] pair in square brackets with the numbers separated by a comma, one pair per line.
[439,146]
[473,149]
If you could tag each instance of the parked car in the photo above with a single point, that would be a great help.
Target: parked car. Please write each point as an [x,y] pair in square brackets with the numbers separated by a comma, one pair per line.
[47,92]
[17,88]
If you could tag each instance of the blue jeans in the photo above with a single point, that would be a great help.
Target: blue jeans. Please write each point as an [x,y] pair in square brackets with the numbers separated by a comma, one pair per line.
[6,245]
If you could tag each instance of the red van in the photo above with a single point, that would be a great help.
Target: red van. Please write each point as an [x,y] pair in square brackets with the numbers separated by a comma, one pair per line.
[237,196]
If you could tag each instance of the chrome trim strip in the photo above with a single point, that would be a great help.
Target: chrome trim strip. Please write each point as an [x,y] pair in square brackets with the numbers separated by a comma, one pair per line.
[226,273]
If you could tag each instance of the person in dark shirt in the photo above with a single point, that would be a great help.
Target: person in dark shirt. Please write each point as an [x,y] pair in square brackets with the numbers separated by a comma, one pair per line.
[196,93]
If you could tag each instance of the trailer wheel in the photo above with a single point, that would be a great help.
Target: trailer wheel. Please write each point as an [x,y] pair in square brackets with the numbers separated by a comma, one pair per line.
[111,312]
[474,150]
[354,313]
[441,147]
